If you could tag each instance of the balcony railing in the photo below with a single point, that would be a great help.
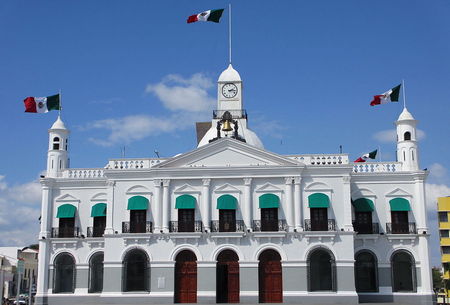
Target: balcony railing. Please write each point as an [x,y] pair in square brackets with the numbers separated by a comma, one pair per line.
[187,226]
[239,227]
[328,225]
[95,231]
[366,228]
[235,114]
[66,232]
[269,226]
[144,227]
[401,228]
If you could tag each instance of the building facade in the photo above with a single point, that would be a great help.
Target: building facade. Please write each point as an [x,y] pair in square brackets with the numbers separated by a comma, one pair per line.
[444,229]
[231,222]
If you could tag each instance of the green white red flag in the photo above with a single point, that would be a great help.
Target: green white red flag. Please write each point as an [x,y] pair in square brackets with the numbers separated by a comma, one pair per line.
[365,157]
[42,104]
[389,96]
[210,15]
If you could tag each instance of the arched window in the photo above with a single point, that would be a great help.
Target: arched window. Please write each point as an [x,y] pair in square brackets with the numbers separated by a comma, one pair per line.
[186,277]
[96,273]
[366,272]
[321,271]
[403,272]
[270,277]
[407,136]
[55,143]
[64,278]
[227,277]
[136,271]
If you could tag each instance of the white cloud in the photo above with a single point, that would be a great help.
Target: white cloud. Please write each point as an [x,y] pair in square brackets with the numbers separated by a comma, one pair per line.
[437,170]
[186,94]
[19,213]
[390,135]
[264,126]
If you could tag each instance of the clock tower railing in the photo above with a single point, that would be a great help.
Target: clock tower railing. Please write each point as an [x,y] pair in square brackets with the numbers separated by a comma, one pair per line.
[235,114]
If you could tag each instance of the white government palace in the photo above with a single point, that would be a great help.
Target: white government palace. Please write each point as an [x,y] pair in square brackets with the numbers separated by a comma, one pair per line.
[230,222]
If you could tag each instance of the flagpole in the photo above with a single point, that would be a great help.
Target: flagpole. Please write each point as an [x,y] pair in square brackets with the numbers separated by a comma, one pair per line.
[404,95]
[229,30]
[60,103]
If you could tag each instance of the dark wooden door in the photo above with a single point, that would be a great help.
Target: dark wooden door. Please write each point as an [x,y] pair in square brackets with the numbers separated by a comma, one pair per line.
[186,282]
[269,219]
[400,222]
[66,227]
[138,219]
[363,222]
[227,282]
[319,219]
[227,220]
[270,282]
[99,226]
[186,220]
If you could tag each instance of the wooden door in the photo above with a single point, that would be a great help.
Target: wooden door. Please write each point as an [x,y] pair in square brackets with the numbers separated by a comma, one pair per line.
[269,219]
[363,222]
[270,278]
[319,219]
[233,282]
[227,282]
[138,219]
[186,278]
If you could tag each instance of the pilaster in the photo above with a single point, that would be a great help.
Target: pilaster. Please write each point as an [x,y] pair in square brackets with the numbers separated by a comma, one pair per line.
[205,208]
[109,229]
[157,204]
[166,206]
[298,209]
[348,226]
[289,203]
[247,208]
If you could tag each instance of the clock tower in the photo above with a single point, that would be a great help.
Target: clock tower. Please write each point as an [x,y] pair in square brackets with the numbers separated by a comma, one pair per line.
[229,90]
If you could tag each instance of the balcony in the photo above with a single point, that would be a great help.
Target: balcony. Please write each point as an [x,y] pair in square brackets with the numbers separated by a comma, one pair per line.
[328,225]
[185,226]
[95,231]
[366,228]
[269,226]
[66,232]
[239,226]
[401,228]
[235,114]
[143,227]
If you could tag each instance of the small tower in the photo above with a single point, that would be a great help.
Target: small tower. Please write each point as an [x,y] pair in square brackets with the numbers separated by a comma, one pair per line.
[407,150]
[57,156]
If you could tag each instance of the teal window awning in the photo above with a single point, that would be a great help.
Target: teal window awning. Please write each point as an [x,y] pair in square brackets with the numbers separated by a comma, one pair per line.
[98,210]
[269,201]
[363,205]
[318,200]
[185,202]
[399,204]
[226,202]
[137,203]
[66,211]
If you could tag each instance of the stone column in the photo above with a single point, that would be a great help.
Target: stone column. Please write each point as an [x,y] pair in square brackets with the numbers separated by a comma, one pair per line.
[246,208]
[206,205]
[419,204]
[166,206]
[289,203]
[298,207]
[157,204]
[109,229]
[347,221]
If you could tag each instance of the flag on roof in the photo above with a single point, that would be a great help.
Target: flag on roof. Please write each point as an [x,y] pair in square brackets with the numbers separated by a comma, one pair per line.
[210,15]
[371,155]
[389,96]
[42,104]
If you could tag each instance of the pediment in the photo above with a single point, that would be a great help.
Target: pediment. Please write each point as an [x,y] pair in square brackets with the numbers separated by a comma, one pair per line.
[398,192]
[67,198]
[228,153]
[227,188]
[363,192]
[138,189]
[186,189]
[317,186]
[99,197]
[269,188]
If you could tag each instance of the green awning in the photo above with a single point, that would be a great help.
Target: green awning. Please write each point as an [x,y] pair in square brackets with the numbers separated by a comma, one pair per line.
[137,203]
[318,200]
[363,205]
[66,211]
[399,204]
[226,202]
[269,201]
[98,210]
[185,202]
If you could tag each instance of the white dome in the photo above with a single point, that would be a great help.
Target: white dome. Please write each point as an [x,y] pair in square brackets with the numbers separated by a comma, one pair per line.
[229,75]
[58,124]
[250,137]
[405,115]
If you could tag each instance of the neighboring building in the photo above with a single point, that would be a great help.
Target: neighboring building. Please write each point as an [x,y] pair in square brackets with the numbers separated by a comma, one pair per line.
[29,276]
[232,222]
[444,233]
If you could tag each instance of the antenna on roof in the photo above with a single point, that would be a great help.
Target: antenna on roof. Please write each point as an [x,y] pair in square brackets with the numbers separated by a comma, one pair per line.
[340,149]
[157,153]
[122,152]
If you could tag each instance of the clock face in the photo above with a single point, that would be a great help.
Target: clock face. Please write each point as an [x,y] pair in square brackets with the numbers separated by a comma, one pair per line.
[229,90]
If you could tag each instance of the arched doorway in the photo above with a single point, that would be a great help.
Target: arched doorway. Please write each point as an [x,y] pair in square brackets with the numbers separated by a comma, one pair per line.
[136,271]
[96,273]
[186,277]
[366,272]
[270,277]
[227,277]
[64,274]
[321,269]
[403,272]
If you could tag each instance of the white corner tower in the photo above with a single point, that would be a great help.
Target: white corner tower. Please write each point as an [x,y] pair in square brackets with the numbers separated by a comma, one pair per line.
[407,148]
[57,156]
[230,118]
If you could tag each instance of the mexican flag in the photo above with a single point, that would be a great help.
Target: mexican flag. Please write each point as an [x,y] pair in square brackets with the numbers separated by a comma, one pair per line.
[42,104]
[389,96]
[364,157]
[211,15]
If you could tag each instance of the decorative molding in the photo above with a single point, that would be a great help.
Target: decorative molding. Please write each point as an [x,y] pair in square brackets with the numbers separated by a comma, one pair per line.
[67,198]
[247,181]
[166,182]
[99,197]
[297,180]
[288,180]
[206,182]
[398,192]
[226,188]
[157,182]
[110,183]
[269,188]
[138,190]
[186,189]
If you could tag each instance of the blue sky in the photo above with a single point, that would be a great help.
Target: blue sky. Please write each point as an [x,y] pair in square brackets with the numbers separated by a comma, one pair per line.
[126,68]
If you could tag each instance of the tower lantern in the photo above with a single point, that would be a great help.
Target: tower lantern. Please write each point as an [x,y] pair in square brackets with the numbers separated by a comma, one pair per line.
[57,156]
[407,148]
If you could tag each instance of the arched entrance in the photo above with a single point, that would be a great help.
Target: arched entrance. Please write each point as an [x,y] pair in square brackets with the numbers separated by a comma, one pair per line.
[403,272]
[270,277]
[321,269]
[136,271]
[186,277]
[227,277]
[366,272]
[64,274]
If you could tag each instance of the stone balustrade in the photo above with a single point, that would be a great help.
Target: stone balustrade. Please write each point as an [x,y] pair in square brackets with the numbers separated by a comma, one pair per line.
[83,173]
[377,167]
[133,163]
[321,159]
